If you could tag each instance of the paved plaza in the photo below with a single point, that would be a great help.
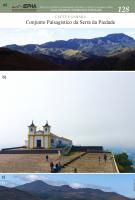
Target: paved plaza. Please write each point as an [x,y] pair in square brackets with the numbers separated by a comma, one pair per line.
[89,163]
[32,163]
[36,163]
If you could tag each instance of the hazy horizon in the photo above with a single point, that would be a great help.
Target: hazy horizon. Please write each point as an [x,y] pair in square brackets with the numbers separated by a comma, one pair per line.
[25,36]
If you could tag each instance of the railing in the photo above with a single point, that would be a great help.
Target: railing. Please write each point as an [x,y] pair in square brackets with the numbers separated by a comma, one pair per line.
[14,148]
[115,167]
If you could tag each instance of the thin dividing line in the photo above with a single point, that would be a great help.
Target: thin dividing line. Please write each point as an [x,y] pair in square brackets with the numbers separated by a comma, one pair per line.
[74,7]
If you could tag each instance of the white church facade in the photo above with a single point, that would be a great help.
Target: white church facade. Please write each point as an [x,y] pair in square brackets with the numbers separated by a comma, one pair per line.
[44,138]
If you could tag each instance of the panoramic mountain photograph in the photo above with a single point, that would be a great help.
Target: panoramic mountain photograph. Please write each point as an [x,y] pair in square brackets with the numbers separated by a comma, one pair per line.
[67,49]
[71,186]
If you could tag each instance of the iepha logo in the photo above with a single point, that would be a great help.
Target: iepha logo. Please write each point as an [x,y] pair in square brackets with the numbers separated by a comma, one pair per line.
[29,6]
[24,7]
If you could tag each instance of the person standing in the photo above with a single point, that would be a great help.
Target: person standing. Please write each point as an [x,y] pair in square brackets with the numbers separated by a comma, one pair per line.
[51,166]
[105,158]
[59,166]
[59,154]
[47,157]
[75,170]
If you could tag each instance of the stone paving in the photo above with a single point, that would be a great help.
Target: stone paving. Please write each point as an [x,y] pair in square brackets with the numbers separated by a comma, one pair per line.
[33,163]
[36,163]
[25,163]
[89,163]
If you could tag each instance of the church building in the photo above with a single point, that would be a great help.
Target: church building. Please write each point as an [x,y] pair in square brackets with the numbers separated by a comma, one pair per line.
[44,138]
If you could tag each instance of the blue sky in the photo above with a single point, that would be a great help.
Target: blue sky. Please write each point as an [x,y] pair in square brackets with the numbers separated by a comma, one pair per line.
[40,36]
[120,183]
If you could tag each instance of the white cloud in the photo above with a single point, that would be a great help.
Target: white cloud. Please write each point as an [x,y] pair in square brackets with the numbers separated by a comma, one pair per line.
[33,177]
[22,36]
[8,183]
[76,185]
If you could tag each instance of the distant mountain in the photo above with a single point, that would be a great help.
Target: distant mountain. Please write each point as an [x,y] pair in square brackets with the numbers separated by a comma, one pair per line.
[15,194]
[101,46]
[103,53]
[49,192]
[42,187]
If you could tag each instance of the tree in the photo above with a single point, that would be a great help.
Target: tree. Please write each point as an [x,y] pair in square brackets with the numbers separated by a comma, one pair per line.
[124,163]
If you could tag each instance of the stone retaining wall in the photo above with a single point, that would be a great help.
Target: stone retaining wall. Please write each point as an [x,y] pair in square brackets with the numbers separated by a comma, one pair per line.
[87,148]
[34,151]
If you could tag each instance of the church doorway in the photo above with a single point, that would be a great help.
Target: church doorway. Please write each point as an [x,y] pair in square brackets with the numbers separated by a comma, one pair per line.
[38,143]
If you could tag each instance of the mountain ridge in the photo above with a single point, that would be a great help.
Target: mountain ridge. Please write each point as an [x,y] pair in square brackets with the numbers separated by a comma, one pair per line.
[102,53]
[76,42]
[46,191]
[15,194]
[39,190]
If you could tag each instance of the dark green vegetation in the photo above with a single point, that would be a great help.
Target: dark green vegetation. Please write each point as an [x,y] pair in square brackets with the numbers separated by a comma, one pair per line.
[113,52]
[38,190]
[124,163]
[15,194]
[14,60]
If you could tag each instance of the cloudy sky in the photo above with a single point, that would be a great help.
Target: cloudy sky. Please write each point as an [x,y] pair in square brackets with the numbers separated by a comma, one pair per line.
[91,108]
[40,36]
[120,183]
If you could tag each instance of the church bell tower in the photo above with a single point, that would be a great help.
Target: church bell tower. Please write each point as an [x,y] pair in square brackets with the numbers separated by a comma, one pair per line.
[47,128]
[32,128]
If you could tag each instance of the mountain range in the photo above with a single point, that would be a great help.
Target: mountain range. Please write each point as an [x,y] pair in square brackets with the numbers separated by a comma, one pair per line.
[39,190]
[112,52]
[15,194]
